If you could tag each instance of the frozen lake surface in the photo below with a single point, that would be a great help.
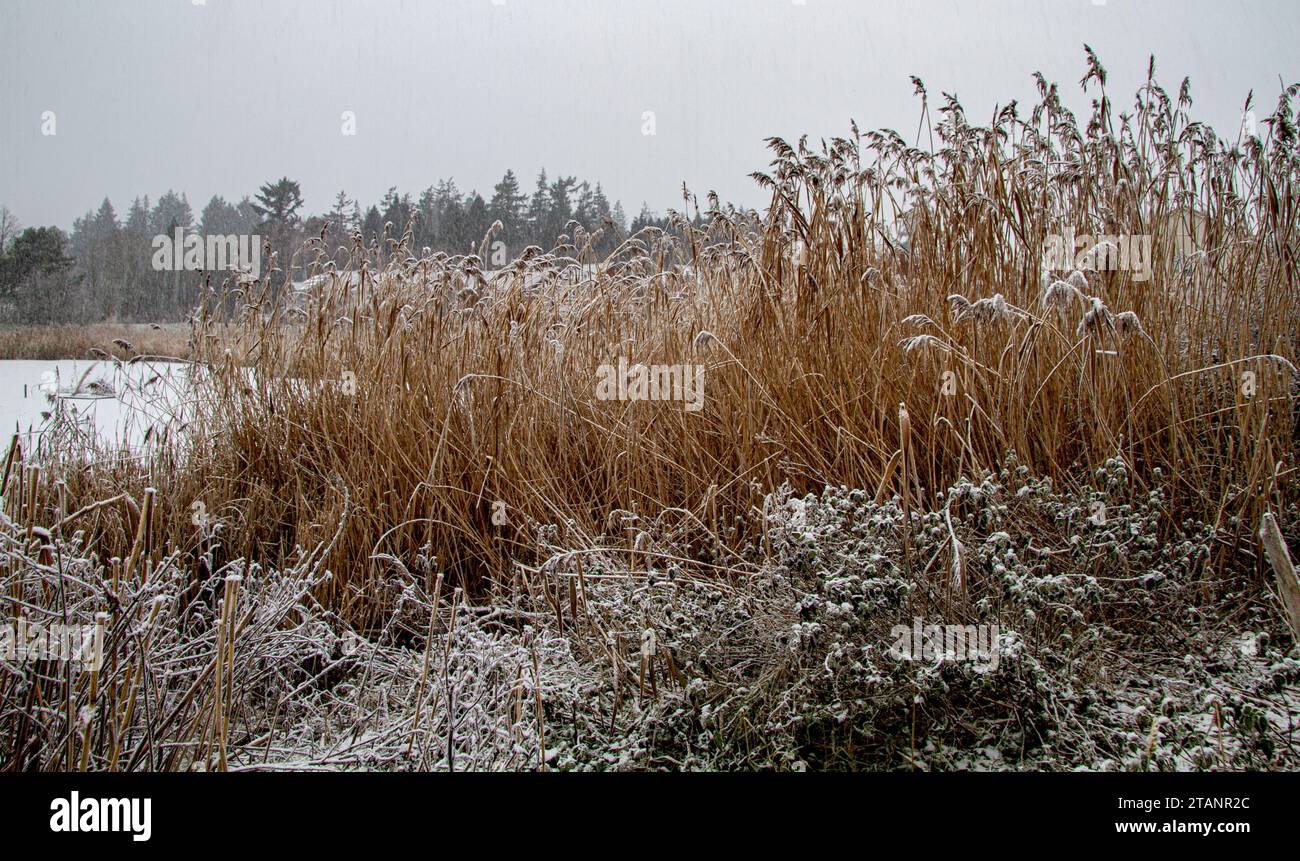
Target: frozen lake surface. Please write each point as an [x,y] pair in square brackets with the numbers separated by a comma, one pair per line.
[109,404]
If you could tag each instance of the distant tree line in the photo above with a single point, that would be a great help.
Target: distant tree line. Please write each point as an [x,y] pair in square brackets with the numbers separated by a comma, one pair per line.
[105,268]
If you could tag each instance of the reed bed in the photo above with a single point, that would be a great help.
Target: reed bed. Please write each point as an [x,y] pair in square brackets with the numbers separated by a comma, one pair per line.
[441,391]
[94,341]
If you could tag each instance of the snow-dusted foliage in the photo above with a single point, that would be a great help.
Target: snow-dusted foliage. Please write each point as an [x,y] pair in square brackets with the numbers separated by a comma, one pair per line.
[1117,641]
[1118,645]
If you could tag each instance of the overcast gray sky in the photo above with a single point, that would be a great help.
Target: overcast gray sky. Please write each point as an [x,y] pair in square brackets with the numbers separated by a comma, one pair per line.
[223,95]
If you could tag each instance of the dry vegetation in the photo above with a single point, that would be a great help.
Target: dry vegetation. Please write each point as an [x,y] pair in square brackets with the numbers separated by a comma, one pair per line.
[94,341]
[658,596]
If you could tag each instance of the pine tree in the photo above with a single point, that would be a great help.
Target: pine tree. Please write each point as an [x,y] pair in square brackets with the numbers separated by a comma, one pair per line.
[219,218]
[138,277]
[426,227]
[372,227]
[339,221]
[277,204]
[477,220]
[507,206]
[170,212]
[539,212]
[396,210]
[560,209]
[106,244]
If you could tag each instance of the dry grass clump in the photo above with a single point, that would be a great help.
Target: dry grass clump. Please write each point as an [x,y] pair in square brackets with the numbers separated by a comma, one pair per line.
[248,672]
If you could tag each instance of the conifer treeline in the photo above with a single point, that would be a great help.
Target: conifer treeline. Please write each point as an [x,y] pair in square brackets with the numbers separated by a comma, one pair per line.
[104,269]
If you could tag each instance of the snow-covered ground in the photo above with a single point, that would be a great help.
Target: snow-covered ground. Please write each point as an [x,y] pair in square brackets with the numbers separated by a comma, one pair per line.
[116,403]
